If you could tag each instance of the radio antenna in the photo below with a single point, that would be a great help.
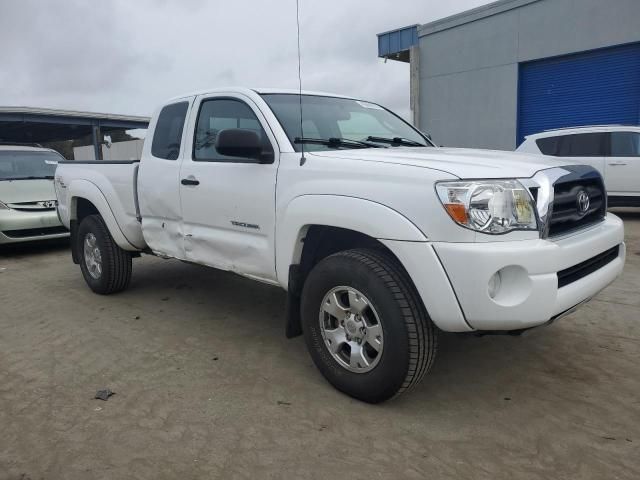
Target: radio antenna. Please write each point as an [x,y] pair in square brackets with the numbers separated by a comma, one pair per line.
[302,159]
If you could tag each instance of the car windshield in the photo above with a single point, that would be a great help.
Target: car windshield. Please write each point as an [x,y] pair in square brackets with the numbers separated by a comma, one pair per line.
[336,123]
[23,165]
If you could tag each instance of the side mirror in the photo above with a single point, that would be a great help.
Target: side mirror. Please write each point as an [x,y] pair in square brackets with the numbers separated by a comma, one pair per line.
[238,142]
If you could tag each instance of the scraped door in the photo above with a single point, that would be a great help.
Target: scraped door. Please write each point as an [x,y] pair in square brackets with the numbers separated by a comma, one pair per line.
[158,183]
[228,203]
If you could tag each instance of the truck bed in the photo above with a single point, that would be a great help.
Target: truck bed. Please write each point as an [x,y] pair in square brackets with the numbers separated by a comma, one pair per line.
[111,181]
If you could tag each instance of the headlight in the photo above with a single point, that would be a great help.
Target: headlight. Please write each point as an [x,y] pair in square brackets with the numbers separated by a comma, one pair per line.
[3,206]
[489,206]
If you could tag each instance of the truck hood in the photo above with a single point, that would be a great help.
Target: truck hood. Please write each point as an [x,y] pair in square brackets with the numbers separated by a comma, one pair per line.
[20,191]
[461,162]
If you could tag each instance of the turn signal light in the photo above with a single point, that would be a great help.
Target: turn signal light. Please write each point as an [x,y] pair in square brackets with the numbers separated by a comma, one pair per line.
[457,211]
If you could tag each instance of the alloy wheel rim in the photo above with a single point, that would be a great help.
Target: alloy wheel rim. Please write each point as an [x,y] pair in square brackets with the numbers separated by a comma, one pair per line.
[92,256]
[351,329]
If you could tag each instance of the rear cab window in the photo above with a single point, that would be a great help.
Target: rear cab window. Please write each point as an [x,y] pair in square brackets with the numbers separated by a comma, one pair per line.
[167,137]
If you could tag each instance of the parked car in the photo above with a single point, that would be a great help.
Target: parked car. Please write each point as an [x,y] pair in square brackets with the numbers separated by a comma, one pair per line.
[614,150]
[27,195]
[379,237]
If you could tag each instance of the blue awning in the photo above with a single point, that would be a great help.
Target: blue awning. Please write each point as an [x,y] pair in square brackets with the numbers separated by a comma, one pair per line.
[395,44]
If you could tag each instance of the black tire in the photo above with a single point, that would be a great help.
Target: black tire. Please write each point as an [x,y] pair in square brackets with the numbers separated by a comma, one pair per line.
[410,337]
[115,262]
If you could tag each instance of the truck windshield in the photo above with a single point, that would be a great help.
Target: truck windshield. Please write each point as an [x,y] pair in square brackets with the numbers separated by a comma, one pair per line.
[25,165]
[337,123]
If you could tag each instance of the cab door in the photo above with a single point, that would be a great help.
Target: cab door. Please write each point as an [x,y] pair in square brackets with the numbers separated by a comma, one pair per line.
[159,180]
[623,164]
[228,203]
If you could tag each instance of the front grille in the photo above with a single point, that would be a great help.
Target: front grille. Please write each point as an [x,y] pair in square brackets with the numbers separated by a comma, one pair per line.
[34,232]
[581,270]
[34,206]
[566,214]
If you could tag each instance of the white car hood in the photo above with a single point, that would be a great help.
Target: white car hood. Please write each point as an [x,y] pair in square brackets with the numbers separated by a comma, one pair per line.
[21,191]
[461,162]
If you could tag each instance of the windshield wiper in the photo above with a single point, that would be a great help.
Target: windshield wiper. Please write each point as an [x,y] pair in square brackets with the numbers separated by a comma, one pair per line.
[397,141]
[336,142]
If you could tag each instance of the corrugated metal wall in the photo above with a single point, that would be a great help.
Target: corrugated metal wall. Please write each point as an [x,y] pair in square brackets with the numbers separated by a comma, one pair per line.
[469,66]
[591,88]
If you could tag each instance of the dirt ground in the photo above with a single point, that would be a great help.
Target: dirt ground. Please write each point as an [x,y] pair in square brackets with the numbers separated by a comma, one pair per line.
[207,386]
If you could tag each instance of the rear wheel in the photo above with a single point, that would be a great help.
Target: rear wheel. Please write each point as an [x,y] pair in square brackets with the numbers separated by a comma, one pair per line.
[105,266]
[365,325]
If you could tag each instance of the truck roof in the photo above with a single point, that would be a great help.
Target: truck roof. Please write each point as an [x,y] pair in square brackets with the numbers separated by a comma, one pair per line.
[249,91]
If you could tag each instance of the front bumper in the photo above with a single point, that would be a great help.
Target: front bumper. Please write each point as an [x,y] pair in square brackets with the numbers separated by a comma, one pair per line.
[25,226]
[529,294]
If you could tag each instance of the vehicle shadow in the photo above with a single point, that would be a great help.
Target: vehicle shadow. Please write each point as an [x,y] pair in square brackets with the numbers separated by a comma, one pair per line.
[499,366]
[626,213]
[206,287]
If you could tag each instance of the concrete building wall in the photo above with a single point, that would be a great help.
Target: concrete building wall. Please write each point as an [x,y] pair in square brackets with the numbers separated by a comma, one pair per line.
[129,150]
[468,67]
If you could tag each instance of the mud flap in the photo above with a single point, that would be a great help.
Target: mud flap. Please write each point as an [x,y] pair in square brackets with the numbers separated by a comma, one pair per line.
[294,325]
[73,227]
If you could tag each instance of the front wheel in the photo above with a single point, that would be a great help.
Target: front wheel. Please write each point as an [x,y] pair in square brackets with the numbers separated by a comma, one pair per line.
[365,326]
[105,266]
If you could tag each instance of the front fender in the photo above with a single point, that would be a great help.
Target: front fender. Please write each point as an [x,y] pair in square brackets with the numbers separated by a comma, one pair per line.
[364,216]
[89,191]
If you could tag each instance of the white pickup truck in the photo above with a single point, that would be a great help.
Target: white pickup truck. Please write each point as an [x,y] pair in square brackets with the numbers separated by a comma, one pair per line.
[377,235]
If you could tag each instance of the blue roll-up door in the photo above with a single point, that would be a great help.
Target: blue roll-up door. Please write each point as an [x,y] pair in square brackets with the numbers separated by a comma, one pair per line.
[592,88]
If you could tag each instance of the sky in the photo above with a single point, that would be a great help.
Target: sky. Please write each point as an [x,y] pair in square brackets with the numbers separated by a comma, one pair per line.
[126,57]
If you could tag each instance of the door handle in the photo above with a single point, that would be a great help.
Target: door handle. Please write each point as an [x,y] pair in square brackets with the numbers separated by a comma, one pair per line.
[189,181]
[613,164]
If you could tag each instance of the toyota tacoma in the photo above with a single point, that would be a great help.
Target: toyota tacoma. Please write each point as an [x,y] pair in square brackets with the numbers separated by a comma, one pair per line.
[380,238]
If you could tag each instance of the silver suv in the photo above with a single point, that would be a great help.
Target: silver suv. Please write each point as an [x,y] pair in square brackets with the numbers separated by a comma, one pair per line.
[27,195]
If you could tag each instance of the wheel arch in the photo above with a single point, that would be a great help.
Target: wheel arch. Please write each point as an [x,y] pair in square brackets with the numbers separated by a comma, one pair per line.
[316,226]
[85,199]
[347,216]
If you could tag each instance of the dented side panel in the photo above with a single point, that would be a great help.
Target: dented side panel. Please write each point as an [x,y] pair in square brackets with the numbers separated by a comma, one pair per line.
[229,216]
[159,197]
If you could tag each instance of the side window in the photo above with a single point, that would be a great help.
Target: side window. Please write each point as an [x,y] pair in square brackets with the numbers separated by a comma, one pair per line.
[582,145]
[564,146]
[168,133]
[549,145]
[625,144]
[588,145]
[220,114]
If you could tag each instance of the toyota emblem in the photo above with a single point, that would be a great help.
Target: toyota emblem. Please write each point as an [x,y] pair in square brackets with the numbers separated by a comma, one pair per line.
[583,202]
